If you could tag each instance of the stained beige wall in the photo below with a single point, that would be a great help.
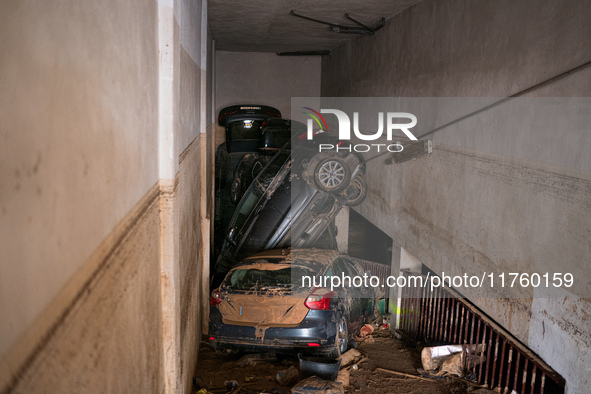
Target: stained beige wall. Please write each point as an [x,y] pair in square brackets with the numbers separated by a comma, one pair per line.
[104,329]
[265,78]
[79,137]
[487,197]
[103,120]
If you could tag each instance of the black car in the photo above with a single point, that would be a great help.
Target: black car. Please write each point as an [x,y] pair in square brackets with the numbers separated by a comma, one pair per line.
[243,136]
[243,123]
[265,304]
[275,134]
[282,208]
[245,172]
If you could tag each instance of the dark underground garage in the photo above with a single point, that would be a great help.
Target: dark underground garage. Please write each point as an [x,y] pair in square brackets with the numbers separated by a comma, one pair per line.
[295,197]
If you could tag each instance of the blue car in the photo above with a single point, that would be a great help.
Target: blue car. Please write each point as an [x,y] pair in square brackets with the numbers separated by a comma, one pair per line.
[265,305]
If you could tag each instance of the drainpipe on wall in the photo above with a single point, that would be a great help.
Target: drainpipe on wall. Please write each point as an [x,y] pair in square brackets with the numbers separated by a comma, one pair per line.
[168,168]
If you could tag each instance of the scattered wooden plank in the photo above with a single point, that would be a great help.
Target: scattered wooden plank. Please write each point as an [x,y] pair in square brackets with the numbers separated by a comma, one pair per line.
[405,374]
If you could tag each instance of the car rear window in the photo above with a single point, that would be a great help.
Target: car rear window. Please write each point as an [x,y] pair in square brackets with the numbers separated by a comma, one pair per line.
[245,130]
[265,275]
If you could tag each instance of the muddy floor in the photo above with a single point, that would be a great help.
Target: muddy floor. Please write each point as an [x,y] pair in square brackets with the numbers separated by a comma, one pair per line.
[256,373]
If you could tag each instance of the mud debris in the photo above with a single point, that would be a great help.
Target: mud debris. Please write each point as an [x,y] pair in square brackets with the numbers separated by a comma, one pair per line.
[256,373]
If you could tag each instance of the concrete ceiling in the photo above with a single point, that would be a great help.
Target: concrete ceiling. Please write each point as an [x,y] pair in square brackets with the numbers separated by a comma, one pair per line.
[268,26]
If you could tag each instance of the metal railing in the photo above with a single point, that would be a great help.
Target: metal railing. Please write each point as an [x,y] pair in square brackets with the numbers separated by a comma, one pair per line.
[442,316]
[382,271]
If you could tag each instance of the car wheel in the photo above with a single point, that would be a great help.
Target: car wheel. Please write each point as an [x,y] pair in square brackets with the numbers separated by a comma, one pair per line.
[342,337]
[356,192]
[332,175]
[235,193]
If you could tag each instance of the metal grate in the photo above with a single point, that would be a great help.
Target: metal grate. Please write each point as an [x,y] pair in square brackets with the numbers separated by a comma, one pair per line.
[442,317]
[382,271]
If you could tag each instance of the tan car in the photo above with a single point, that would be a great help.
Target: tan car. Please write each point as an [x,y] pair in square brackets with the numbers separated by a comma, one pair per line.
[267,304]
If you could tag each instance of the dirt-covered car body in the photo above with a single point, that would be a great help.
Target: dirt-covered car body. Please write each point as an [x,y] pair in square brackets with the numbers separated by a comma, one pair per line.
[243,136]
[279,209]
[258,307]
[287,207]
[275,134]
[245,172]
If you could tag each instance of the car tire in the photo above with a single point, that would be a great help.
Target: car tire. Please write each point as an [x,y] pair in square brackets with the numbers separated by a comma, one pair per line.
[357,192]
[341,340]
[332,174]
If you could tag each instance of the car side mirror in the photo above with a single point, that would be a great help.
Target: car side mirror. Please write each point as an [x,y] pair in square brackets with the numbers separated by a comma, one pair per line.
[232,236]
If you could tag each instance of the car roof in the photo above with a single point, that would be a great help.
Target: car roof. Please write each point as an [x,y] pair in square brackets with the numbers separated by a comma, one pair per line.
[235,113]
[322,256]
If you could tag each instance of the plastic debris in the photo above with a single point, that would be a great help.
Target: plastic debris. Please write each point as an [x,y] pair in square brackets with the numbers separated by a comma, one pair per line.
[231,384]
[365,333]
[287,377]
[315,385]
[444,360]
[343,377]
[349,357]
[325,368]
[366,330]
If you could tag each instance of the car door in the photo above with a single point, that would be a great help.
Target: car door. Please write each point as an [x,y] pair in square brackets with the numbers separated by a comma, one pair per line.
[255,196]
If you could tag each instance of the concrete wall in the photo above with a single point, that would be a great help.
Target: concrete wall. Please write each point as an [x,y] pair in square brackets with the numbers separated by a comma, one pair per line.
[264,78]
[103,148]
[487,197]
[194,142]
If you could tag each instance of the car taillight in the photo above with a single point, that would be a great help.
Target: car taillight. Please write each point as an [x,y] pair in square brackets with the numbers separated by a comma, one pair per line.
[215,298]
[319,301]
[225,115]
